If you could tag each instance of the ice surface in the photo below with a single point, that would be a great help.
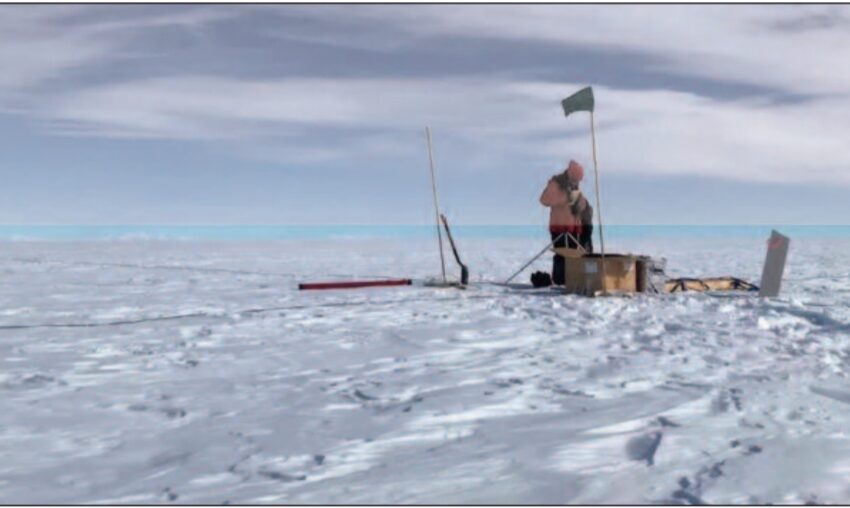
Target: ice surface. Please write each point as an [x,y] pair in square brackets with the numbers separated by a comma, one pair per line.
[190,372]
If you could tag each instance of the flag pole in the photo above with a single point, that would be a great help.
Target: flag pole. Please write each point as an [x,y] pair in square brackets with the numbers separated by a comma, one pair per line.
[436,203]
[598,202]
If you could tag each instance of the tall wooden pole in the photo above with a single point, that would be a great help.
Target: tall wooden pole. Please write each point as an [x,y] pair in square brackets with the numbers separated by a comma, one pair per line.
[436,203]
[598,202]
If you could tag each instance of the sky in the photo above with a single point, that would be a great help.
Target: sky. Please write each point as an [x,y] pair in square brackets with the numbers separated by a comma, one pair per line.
[315,114]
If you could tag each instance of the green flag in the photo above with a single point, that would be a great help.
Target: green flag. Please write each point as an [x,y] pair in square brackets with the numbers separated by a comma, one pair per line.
[579,101]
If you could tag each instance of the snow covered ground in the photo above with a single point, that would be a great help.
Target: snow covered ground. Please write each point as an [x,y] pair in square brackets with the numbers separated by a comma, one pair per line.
[191,372]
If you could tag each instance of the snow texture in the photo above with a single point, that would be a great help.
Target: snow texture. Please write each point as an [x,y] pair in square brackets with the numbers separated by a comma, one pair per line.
[189,372]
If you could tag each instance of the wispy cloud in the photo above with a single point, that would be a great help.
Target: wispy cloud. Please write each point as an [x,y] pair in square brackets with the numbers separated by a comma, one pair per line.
[39,43]
[723,42]
[33,49]
[500,120]
[646,131]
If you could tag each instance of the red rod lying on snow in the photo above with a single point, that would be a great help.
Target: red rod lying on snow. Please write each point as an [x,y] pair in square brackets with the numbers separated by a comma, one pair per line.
[356,284]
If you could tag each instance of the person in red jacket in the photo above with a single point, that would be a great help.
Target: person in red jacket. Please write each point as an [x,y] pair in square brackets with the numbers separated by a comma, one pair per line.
[569,213]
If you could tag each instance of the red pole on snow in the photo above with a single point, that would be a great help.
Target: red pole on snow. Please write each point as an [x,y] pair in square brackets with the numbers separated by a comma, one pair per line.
[355,284]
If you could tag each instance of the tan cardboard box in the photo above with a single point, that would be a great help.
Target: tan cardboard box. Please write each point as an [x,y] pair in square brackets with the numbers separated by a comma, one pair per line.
[583,273]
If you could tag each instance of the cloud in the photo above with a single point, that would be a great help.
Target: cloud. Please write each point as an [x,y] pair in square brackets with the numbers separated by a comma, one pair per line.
[825,18]
[32,50]
[489,121]
[40,43]
[656,131]
[739,43]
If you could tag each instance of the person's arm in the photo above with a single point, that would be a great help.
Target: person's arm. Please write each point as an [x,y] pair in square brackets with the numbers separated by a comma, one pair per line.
[553,195]
[586,212]
[577,202]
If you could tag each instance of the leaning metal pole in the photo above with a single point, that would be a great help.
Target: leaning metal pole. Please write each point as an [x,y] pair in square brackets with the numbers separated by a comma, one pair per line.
[532,260]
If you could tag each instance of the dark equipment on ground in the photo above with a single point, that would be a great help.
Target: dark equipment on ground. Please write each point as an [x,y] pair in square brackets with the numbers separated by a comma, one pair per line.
[464,272]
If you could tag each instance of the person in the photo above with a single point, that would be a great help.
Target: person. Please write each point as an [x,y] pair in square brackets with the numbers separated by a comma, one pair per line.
[569,213]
